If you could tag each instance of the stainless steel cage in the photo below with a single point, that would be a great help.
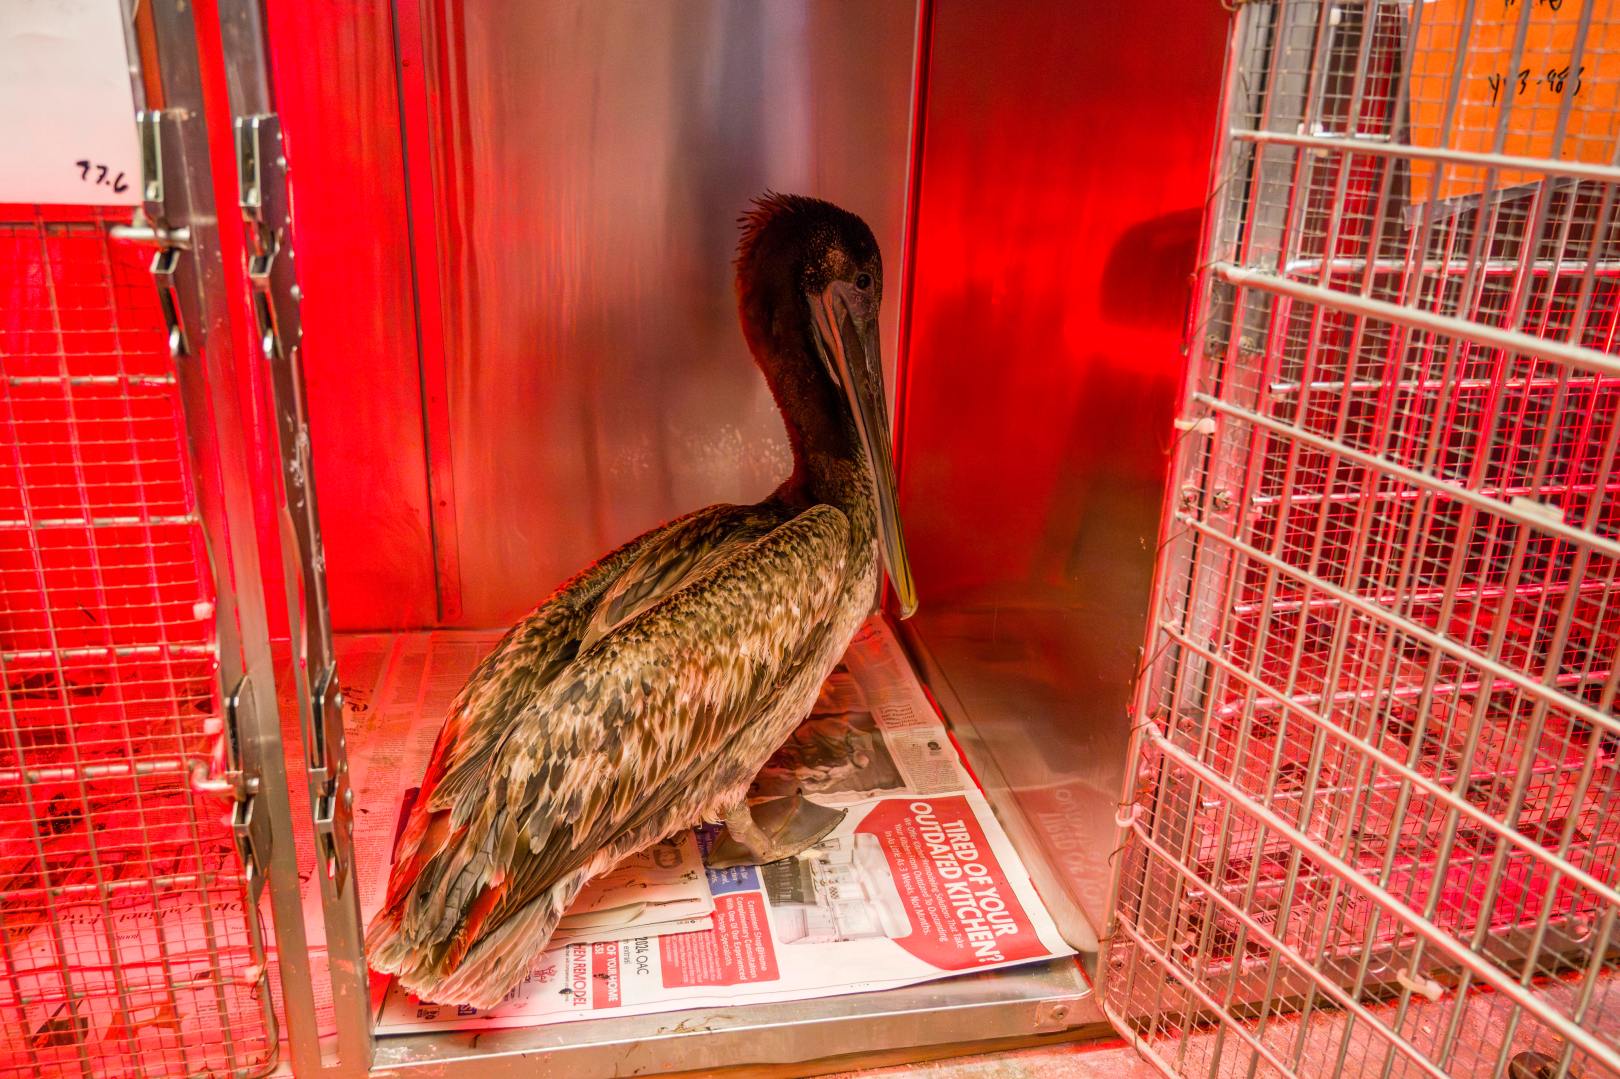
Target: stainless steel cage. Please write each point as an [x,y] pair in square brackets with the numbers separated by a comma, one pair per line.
[1374,822]
[1370,820]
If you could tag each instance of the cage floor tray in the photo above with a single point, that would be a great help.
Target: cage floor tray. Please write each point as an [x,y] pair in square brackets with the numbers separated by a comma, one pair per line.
[848,934]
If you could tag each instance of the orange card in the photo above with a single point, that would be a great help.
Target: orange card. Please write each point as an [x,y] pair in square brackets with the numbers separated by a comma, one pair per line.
[1555,70]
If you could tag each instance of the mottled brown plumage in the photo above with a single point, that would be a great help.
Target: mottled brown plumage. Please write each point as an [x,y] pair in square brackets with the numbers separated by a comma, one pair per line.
[644,695]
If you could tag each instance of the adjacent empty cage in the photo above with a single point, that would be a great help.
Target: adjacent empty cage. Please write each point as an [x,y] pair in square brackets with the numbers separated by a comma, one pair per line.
[129,939]
[1375,821]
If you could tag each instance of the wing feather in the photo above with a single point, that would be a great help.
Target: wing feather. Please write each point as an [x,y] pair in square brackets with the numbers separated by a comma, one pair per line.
[659,695]
[670,564]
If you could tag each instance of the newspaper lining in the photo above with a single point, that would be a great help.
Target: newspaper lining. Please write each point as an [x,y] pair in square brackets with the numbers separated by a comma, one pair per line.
[917,882]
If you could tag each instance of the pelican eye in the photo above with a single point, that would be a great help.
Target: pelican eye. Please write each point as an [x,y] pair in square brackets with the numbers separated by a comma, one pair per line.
[863,281]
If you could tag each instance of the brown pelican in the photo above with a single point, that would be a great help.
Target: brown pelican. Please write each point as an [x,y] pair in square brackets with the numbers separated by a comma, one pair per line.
[644,695]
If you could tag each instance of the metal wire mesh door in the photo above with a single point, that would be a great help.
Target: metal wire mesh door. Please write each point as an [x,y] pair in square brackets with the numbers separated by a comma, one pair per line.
[1374,826]
[127,941]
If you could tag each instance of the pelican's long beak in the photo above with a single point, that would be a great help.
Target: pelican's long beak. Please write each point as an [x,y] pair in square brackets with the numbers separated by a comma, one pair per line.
[846,332]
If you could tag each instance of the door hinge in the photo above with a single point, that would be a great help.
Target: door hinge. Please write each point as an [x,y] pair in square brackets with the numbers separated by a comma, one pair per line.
[329,773]
[165,210]
[149,123]
[261,163]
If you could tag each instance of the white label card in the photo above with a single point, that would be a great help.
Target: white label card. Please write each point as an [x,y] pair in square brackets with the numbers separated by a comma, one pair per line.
[67,111]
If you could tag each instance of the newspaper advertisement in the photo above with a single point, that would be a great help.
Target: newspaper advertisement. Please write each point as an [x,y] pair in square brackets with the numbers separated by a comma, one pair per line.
[916,882]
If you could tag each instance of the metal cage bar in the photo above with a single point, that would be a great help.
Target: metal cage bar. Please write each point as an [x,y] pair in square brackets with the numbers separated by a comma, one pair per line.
[264,199]
[1373,816]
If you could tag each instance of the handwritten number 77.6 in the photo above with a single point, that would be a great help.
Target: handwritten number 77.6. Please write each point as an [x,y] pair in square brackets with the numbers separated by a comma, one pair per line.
[117,183]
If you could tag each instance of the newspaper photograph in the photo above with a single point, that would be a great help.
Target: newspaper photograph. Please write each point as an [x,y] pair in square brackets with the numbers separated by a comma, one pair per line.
[916,881]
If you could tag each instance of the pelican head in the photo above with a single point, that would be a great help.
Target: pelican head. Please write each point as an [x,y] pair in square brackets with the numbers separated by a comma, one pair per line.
[809,286]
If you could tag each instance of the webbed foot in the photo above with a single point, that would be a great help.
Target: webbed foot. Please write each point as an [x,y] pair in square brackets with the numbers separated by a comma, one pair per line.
[771,831]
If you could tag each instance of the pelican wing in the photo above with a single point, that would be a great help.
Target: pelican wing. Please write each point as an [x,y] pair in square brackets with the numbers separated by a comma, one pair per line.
[508,681]
[630,725]
[667,687]
[669,563]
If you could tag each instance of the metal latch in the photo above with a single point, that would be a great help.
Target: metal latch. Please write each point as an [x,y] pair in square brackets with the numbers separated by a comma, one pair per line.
[249,825]
[140,232]
[262,170]
[165,273]
[334,797]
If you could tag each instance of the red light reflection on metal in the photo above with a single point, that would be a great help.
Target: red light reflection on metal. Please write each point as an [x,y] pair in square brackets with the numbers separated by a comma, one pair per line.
[1064,167]
[337,95]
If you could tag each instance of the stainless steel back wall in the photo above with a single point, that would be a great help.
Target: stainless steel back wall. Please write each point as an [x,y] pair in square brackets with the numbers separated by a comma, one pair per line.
[1065,159]
[590,161]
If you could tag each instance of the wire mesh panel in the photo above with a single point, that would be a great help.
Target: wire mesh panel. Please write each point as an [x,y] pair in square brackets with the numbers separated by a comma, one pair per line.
[127,946]
[1375,820]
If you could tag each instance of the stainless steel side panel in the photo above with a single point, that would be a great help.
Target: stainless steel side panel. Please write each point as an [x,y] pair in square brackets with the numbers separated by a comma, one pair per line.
[591,159]
[1064,166]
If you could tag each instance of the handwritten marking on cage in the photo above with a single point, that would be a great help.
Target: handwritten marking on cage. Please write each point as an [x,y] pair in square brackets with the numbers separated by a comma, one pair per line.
[65,94]
[105,176]
[1554,79]
[1536,80]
